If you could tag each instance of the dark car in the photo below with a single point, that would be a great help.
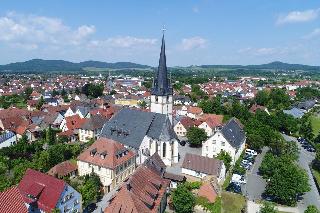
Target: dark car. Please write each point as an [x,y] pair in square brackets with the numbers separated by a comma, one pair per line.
[182,143]
[234,187]
[90,208]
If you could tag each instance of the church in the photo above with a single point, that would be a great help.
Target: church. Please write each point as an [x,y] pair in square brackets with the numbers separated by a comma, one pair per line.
[148,132]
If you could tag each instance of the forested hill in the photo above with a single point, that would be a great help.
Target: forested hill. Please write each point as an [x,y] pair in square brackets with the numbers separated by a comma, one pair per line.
[40,65]
[276,65]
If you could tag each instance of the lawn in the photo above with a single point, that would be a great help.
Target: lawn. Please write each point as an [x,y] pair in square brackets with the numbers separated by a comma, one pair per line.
[232,203]
[315,122]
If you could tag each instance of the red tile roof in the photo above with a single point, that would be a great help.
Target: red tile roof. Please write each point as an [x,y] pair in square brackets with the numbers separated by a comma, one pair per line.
[75,122]
[212,120]
[63,169]
[256,107]
[111,149]
[142,193]
[12,201]
[46,188]
[208,191]
[187,122]
[194,110]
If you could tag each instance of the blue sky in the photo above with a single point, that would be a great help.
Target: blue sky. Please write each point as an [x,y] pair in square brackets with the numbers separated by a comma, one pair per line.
[198,32]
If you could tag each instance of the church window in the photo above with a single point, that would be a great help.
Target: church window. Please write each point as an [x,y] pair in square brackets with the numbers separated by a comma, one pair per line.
[156,99]
[164,149]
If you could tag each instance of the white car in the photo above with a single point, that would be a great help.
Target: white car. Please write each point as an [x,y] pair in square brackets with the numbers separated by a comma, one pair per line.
[251,152]
[246,162]
[238,179]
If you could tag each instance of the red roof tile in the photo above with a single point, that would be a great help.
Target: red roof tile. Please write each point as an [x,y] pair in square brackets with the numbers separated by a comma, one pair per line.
[12,201]
[108,147]
[63,169]
[46,188]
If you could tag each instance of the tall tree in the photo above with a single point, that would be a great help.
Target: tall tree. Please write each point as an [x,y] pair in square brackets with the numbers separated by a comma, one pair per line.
[183,199]
[196,136]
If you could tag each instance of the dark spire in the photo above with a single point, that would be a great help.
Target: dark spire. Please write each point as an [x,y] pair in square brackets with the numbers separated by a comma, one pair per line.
[161,84]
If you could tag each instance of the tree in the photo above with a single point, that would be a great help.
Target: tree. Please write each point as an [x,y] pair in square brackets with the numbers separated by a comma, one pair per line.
[312,209]
[93,90]
[196,136]
[90,189]
[142,104]
[287,182]
[40,103]
[262,97]
[27,92]
[268,208]
[50,136]
[183,199]
[55,93]
[226,158]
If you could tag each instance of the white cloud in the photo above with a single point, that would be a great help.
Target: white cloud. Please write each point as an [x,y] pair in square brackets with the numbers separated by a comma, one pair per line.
[298,17]
[193,43]
[313,34]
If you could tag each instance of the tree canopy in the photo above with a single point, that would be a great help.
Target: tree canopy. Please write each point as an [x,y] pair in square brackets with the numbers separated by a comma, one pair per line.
[183,199]
[196,136]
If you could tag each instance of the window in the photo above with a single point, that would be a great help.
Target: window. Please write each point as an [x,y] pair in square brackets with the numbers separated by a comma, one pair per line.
[164,147]
[223,143]
[214,142]
[207,148]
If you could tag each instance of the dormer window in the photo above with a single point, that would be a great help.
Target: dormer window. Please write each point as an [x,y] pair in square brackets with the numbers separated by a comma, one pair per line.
[103,155]
[93,152]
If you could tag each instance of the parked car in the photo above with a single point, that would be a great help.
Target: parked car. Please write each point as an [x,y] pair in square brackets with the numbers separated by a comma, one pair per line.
[234,187]
[246,162]
[236,178]
[182,143]
[246,166]
[251,152]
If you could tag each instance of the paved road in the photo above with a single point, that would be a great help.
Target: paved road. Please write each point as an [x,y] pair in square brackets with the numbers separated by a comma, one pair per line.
[255,183]
[305,158]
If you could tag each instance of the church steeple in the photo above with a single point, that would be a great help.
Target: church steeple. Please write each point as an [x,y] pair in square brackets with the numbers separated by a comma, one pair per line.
[161,84]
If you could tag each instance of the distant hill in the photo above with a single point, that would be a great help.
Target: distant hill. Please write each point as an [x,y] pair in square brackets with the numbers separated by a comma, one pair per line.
[276,65]
[40,65]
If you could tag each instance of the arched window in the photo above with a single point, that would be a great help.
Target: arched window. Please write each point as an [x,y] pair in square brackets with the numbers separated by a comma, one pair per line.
[164,147]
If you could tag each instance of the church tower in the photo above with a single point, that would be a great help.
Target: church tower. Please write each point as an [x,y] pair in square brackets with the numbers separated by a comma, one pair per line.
[161,93]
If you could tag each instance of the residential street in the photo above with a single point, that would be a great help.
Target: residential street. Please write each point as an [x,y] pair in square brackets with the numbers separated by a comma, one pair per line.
[312,197]
[255,183]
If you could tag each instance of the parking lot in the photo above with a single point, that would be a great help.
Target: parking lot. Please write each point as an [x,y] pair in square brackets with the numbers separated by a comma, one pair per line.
[255,183]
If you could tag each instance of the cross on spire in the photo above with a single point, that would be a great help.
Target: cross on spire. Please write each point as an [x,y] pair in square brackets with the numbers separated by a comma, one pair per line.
[163,29]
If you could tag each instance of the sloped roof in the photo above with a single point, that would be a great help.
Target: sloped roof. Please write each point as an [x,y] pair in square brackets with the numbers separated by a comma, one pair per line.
[142,193]
[115,153]
[94,122]
[208,191]
[295,112]
[46,188]
[12,201]
[234,133]
[129,127]
[206,165]
[75,122]
[63,169]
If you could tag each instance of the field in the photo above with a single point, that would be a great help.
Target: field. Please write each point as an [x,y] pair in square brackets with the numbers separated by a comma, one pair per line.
[315,122]
[232,203]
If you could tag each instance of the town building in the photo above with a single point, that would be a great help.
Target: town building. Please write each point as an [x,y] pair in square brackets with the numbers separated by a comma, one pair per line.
[230,138]
[39,192]
[203,167]
[145,132]
[145,191]
[108,159]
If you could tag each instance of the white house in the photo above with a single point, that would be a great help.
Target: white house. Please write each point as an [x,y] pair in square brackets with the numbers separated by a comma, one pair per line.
[110,160]
[203,167]
[231,138]
[7,139]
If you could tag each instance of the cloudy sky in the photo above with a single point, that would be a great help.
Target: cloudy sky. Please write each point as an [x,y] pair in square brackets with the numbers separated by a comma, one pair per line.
[198,32]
